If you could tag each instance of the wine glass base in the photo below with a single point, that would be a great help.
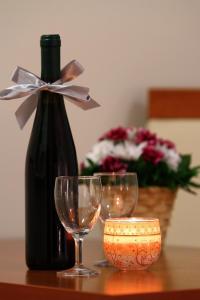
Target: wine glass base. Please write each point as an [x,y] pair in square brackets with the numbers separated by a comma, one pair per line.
[103,263]
[78,271]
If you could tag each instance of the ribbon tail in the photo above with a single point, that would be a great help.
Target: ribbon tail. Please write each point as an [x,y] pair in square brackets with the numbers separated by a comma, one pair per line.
[26,109]
[91,103]
[84,104]
[78,95]
[73,91]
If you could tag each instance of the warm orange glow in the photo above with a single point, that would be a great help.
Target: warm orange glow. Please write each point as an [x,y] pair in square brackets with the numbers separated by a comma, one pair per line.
[123,283]
[132,243]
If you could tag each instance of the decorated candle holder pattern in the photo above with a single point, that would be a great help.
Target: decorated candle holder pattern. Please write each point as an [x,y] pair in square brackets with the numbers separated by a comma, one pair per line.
[132,243]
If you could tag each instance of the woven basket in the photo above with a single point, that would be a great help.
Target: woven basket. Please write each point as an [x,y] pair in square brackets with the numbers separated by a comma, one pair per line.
[156,202]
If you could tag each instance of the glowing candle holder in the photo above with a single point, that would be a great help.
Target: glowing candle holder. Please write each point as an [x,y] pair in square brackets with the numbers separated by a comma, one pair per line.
[132,243]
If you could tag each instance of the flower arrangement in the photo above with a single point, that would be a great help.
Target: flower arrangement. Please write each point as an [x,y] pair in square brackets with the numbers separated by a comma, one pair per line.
[155,160]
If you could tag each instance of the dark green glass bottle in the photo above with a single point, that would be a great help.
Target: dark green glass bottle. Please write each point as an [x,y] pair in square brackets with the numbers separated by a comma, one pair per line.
[51,153]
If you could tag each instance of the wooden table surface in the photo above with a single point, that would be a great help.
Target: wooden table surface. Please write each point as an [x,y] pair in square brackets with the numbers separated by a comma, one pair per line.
[175,276]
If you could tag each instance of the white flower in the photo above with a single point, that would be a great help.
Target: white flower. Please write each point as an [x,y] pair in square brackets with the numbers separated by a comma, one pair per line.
[120,151]
[99,151]
[135,151]
[171,157]
[128,150]
[124,150]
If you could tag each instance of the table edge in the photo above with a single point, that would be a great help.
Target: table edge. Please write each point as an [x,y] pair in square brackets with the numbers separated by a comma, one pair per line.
[8,290]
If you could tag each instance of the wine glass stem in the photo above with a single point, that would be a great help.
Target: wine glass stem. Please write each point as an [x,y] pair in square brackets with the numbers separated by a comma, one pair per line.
[78,251]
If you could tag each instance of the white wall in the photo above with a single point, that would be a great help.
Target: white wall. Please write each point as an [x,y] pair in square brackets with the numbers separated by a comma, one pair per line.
[126,46]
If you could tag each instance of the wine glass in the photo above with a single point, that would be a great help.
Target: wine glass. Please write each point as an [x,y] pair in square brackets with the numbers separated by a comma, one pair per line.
[119,198]
[77,201]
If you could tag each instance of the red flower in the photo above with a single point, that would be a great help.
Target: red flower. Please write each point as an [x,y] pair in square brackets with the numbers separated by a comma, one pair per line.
[112,164]
[144,135]
[167,143]
[151,154]
[116,134]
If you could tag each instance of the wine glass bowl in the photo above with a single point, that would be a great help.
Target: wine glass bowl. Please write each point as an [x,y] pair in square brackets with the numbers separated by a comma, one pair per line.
[119,194]
[77,201]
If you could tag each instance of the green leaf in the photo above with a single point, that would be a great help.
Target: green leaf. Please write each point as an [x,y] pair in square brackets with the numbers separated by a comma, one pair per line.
[160,174]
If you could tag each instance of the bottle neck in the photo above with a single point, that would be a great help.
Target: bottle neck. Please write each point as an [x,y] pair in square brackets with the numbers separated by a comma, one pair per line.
[50,63]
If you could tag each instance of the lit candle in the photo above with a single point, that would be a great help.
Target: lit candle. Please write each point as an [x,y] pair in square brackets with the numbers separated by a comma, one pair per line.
[132,243]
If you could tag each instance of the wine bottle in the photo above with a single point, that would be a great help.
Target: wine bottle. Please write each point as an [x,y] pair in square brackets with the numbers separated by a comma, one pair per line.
[51,153]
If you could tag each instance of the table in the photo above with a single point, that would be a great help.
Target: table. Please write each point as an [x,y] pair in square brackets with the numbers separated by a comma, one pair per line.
[176,276]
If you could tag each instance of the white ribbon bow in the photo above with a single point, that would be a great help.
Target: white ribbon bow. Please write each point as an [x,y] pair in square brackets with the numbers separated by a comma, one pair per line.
[28,84]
